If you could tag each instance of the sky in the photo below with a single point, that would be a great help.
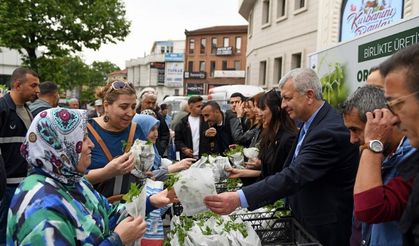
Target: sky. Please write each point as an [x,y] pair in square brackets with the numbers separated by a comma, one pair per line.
[157,20]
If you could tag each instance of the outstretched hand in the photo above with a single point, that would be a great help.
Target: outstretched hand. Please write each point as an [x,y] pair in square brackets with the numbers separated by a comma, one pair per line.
[223,203]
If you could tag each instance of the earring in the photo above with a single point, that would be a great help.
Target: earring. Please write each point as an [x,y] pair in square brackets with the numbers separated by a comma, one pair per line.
[106,118]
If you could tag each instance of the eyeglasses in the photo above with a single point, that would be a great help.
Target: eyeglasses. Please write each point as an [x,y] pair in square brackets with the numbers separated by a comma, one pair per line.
[119,85]
[397,103]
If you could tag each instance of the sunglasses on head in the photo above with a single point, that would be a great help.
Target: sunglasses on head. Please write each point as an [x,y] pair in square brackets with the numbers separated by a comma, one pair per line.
[274,90]
[118,85]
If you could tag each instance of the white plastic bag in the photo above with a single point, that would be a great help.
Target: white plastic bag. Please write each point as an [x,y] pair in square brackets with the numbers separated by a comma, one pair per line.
[237,159]
[193,185]
[143,152]
[251,153]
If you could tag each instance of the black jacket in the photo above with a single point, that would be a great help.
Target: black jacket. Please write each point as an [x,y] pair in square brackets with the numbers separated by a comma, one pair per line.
[164,135]
[183,137]
[274,156]
[12,135]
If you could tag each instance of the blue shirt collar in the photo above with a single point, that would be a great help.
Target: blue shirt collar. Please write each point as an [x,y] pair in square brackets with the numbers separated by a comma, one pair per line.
[307,124]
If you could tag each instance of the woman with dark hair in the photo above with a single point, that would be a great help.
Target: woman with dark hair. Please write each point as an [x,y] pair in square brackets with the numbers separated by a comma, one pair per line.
[276,139]
[278,134]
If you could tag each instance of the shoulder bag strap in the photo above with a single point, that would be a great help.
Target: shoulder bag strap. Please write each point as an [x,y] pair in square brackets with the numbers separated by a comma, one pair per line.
[131,136]
[100,141]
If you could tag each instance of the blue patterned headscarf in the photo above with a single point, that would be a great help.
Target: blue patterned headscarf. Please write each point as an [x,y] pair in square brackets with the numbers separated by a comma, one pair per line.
[54,142]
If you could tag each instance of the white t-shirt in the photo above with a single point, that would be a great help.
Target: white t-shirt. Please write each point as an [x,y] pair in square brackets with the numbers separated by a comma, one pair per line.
[194,123]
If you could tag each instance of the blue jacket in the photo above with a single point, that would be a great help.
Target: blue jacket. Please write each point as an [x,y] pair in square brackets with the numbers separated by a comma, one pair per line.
[388,233]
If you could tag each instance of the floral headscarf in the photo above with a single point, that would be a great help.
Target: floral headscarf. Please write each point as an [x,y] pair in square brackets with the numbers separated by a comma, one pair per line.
[54,142]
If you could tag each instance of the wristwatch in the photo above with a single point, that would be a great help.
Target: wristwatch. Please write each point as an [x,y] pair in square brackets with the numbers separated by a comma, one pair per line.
[375,146]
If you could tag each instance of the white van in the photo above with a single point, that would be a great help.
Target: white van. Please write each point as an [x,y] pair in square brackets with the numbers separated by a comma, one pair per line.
[222,94]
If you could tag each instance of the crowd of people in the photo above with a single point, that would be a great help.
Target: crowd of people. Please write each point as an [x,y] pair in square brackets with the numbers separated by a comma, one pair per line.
[349,175]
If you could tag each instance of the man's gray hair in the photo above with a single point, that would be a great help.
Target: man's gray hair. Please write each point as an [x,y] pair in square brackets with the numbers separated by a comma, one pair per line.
[304,79]
[365,99]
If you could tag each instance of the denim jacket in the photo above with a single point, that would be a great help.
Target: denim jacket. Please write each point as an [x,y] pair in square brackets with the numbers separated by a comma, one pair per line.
[388,233]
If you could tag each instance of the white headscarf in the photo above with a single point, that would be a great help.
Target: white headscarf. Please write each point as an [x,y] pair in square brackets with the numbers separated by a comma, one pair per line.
[54,142]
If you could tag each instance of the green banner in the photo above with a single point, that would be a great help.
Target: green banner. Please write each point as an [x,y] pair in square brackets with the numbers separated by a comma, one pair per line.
[388,45]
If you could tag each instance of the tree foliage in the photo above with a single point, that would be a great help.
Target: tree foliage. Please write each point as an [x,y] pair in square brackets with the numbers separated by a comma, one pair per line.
[71,72]
[60,27]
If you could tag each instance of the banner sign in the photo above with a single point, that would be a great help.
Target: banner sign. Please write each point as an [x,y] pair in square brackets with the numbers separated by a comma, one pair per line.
[360,17]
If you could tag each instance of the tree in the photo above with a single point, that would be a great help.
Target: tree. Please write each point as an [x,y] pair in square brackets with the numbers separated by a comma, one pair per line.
[58,28]
[71,72]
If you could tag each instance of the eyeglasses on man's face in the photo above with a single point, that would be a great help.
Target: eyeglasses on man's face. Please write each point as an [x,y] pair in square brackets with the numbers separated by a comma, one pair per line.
[396,104]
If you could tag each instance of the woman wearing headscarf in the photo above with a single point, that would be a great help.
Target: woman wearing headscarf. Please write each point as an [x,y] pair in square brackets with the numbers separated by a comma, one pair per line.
[55,204]
[149,124]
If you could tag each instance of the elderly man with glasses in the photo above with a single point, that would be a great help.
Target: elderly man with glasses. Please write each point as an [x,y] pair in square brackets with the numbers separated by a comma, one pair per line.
[399,199]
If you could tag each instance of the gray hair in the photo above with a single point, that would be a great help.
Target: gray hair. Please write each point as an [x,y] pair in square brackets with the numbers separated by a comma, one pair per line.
[304,79]
[365,99]
[148,94]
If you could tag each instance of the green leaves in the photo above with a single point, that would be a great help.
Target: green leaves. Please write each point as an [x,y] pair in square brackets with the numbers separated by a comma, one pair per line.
[236,149]
[172,178]
[59,28]
[133,192]
[333,83]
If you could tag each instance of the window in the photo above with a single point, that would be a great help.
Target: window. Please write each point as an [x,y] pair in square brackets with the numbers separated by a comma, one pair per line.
[176,92]
[250,24]
[299,4]
[203,45]
[238,45]
[213,45]
[277,69]
[162,49]
[262,73]
[236,65]
[224,66]
[296,60]
[281,8]
[191,46]
[226,42]
[202,66]
[266,11]
[248,75]
[212,68]
[190,66]
[171,49]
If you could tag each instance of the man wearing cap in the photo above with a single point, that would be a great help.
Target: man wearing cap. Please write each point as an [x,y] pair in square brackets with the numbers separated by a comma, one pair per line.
[98,109]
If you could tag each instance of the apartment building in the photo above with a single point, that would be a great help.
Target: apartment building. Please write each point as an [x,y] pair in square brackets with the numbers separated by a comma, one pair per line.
[162,69]
[214,56]
[282,33]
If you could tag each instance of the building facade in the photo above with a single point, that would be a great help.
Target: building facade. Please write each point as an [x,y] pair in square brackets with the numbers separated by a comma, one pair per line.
[214,56]
[282,33]
[161,70]
[9,61]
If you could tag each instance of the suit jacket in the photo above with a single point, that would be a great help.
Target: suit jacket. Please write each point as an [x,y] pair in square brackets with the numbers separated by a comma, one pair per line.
[183,137]
[318,182]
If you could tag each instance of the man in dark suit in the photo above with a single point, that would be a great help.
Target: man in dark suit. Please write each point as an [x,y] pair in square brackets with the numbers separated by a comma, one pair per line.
[320,170]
